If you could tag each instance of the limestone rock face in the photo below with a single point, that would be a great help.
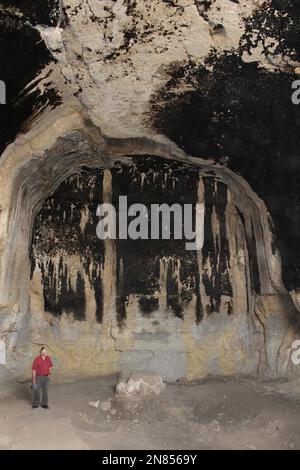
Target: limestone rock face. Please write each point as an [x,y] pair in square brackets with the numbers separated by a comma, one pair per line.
[139,383]
[158,100]
[113,55]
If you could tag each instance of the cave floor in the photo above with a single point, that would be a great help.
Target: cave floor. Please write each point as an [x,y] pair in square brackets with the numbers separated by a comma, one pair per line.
[215,413]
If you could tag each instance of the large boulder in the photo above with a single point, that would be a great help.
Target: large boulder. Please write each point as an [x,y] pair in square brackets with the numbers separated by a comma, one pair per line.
[133,384]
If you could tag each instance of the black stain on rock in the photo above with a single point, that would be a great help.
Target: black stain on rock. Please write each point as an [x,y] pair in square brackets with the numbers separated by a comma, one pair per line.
[140,263]
[252,253]
[172,290]
[216,256]
[278,20]
[64,227]
[242,116]
[148,181]
[23,55]
[148,304]
[67,298]
[45,12]
[66,249]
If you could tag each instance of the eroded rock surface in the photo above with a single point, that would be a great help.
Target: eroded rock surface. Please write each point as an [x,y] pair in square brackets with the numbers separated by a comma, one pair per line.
[134,384]
[182,99]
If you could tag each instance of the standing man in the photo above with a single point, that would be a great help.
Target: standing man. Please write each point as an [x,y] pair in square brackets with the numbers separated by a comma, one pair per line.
[41,371]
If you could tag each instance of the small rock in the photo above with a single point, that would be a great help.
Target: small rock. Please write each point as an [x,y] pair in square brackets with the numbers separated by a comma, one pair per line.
[216,425]
[95,404]
[214,422]
[105,405]
[134,384]
[113,411]
[5,441]
[250,447]
[182,380]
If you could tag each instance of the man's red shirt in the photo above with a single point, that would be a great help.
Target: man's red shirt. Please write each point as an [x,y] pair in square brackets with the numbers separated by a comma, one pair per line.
[42,366]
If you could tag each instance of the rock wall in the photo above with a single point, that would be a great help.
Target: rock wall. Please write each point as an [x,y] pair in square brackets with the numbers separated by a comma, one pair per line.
[158,100]
[158,284]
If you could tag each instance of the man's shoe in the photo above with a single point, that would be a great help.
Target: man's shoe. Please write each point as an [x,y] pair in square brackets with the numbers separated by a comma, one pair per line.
[35,406]
[45,406]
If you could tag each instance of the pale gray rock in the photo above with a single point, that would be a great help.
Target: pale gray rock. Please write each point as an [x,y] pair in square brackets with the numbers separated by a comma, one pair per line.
[139,383]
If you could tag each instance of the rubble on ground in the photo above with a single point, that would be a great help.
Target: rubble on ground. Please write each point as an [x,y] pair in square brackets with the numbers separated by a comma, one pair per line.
[138,383]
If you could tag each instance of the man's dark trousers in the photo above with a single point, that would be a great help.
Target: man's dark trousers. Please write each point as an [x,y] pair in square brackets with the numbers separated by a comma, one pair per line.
[42,382]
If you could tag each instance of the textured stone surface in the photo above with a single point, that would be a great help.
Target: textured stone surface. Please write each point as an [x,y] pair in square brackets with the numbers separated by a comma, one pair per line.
[201,83]
[138,383]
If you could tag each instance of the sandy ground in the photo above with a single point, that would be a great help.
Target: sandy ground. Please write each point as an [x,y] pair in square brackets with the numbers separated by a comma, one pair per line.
[215,413]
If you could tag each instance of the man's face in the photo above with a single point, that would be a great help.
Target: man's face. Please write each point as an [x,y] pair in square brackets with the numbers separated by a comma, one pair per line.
[43,352]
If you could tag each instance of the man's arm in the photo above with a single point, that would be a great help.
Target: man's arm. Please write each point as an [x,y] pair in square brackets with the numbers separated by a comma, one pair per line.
[34,371]
[50,366]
